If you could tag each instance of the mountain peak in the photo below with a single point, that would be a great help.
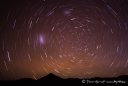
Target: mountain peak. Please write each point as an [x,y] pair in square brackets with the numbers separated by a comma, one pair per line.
[50,77]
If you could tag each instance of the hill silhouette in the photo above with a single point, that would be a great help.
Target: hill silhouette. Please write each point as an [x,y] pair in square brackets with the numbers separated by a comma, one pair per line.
[50,77]
[53,79]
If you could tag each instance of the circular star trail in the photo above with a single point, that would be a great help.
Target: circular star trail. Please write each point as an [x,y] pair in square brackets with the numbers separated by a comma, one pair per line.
[70,38]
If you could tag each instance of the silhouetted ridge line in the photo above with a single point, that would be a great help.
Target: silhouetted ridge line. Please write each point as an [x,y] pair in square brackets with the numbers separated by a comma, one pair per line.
[53,79]
[50,78]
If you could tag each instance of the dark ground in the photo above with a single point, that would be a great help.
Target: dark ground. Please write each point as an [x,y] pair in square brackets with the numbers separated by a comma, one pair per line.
[57,81]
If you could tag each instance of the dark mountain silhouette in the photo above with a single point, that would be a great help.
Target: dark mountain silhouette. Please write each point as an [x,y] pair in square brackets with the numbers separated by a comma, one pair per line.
[24,80]
[53,79]
[50,77]
[123,77]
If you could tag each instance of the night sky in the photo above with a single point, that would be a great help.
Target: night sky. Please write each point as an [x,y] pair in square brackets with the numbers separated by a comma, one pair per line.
[69,38]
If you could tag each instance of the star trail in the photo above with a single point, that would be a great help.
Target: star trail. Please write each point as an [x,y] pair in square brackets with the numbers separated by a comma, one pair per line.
[69,38]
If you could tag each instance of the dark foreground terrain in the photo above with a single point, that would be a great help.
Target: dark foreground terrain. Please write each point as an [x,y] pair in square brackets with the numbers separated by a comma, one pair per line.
[54,80]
